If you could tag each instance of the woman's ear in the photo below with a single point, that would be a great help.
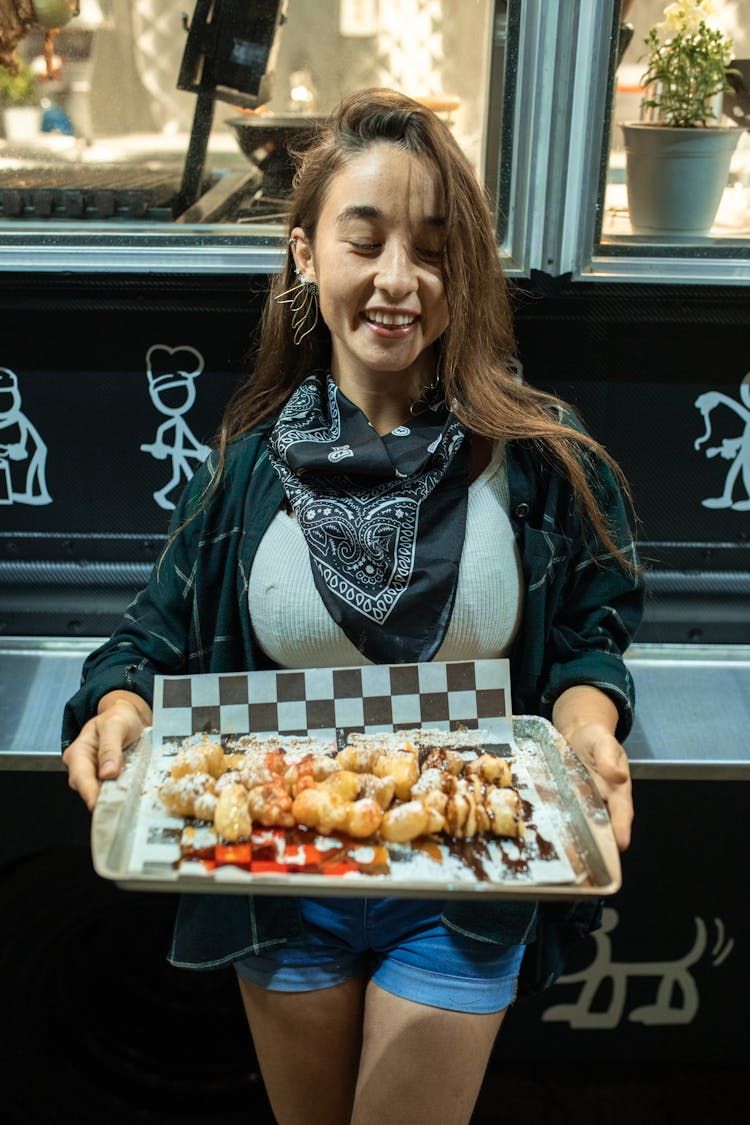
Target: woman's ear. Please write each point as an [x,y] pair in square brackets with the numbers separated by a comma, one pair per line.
[303,254]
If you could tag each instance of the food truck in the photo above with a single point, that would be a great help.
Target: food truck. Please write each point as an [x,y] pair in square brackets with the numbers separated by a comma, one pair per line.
[141,217]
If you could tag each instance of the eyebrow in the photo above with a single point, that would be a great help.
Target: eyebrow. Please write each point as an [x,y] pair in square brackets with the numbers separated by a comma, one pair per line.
[365,211]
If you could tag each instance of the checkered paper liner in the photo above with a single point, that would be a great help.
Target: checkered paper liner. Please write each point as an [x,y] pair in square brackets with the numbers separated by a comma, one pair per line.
[319,701]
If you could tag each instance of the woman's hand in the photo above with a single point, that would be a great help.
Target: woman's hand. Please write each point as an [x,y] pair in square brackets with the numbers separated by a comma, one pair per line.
[96,755]
[587,719]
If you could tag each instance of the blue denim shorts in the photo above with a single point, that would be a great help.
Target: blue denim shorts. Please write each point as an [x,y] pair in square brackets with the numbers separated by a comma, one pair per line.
[401,944]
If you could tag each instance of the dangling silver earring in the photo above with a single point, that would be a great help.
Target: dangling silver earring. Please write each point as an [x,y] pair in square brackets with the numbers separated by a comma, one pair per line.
[428,397]
[302,299]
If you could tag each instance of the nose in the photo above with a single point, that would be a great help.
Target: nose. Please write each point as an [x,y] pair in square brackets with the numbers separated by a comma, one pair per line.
[397,271]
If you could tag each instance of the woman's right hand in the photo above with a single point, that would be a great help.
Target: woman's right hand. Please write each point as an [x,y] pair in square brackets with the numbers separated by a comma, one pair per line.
[96,755]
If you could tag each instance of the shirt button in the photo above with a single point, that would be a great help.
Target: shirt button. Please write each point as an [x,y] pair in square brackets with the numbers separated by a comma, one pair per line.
[522,511]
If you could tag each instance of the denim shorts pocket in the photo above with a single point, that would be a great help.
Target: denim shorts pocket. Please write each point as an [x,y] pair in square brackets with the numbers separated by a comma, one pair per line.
[500,923]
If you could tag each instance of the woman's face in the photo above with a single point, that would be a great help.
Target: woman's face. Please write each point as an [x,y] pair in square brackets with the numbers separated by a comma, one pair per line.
[377,261]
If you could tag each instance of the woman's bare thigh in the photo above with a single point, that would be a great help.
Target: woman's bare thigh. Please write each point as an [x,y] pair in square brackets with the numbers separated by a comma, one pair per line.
[420,1065]
[308,1046]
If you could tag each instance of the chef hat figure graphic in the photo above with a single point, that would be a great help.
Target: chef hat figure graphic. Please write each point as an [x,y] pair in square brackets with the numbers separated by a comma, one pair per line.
[23,453]
[11,396]
[171,383]
[169,368]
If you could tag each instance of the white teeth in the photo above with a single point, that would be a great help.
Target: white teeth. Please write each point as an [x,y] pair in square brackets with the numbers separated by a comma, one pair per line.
[391,320]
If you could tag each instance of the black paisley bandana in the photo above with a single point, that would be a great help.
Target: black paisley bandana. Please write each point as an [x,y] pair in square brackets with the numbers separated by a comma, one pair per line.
[383,517]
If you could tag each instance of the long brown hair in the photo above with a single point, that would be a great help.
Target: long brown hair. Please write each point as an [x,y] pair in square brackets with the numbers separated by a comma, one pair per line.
[475,353]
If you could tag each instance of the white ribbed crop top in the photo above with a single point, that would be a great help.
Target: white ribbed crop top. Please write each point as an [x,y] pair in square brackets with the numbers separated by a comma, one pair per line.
[294,628]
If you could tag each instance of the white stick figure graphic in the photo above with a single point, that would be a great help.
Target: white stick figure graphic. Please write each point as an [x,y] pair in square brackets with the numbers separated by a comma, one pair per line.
[734,449]
[23,454]
[171,383]
[676,1001]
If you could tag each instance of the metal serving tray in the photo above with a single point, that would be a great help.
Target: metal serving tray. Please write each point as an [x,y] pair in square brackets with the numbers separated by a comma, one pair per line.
[571,811]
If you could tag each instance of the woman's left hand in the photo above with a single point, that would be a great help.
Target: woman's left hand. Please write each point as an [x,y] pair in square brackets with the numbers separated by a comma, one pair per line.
[607,762]
[587,718]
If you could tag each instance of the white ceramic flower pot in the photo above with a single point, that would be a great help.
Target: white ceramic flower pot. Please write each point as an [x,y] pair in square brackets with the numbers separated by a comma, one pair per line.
[675,177]
[21,122]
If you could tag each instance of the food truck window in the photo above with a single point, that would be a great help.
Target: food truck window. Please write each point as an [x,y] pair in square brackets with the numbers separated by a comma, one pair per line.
[670,186]
[139,114]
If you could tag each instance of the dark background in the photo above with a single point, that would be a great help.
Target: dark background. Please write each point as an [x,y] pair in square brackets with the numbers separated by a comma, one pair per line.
[101,1028]
[633,359]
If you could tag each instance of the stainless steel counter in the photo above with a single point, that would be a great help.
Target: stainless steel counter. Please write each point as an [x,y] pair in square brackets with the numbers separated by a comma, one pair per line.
[37,677]
[693,713]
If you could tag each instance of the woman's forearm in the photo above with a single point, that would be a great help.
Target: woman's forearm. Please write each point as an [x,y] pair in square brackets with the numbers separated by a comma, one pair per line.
[131,697]
[582,705]
[587,720]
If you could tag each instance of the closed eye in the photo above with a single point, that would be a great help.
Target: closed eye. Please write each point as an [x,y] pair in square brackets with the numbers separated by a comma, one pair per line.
[372,247]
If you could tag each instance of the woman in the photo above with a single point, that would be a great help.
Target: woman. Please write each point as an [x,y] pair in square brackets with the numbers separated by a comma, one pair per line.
[385,489]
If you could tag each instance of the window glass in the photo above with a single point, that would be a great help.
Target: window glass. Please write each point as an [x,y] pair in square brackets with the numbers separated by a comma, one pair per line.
[106,138]
[639,206]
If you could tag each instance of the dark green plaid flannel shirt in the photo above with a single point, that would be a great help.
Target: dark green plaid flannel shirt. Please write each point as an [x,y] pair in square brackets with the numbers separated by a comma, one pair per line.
[580,611]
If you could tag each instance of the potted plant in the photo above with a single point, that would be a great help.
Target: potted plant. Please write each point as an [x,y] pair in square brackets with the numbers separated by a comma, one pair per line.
[678,155]
[19,99]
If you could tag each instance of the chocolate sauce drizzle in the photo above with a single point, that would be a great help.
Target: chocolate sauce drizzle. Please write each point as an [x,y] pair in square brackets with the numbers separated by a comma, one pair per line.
[472,852]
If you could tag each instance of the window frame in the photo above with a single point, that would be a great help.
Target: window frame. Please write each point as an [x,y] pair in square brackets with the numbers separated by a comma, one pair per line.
[551,66]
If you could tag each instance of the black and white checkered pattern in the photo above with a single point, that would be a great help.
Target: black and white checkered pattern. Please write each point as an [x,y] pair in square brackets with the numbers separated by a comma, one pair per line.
[320,701]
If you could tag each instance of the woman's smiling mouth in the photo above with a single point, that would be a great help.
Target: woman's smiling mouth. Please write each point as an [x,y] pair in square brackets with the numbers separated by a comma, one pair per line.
[390,323]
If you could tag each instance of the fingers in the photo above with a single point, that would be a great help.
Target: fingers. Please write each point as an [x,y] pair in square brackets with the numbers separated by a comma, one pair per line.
[97,754]
[113,737]
[612,777]
[608,764]
[81,760]
[620,806]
